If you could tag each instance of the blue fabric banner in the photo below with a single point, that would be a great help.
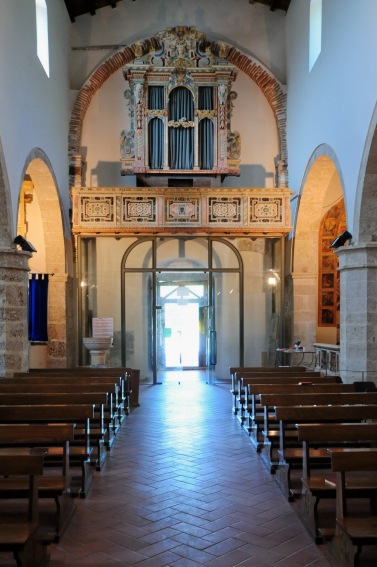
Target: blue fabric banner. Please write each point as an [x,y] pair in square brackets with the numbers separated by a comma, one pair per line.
[38,297]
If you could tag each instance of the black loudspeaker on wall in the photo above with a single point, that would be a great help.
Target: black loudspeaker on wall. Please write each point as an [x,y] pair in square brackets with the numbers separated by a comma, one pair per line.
[341,239]
[25,245]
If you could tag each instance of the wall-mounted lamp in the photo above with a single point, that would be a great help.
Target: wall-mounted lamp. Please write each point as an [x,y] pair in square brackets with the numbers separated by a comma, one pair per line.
[272,278]
[24,244]
[341,239]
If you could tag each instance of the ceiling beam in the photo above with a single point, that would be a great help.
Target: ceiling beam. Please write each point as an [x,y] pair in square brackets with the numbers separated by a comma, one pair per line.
[273,5]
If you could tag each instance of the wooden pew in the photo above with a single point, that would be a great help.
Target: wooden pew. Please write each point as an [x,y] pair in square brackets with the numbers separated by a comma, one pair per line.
[354,530]
[237,372]
[129,376]
[271,403]
[120,393]
[318,486]
[56,487]
[99,436]
[289,416]
[269,369]
[78,455]
[112,410]
[19,535]
[116,383]
[245,379]
[254,411]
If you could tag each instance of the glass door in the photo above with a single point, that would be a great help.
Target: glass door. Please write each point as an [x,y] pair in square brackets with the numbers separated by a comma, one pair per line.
[182,303]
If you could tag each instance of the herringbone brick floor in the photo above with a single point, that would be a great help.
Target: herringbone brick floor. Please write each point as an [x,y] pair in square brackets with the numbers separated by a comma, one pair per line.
[183,487]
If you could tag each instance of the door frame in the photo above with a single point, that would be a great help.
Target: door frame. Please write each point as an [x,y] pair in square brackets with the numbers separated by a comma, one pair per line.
[154,270]
[202,335]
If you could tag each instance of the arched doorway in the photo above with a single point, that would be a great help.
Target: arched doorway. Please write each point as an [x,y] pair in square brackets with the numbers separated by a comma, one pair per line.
[182,304]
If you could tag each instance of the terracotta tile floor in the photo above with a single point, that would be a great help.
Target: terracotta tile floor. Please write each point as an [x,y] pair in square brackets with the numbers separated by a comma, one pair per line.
[183,487]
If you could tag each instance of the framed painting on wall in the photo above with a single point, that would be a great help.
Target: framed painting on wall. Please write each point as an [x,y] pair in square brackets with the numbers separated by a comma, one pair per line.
[328,282]
[328,317]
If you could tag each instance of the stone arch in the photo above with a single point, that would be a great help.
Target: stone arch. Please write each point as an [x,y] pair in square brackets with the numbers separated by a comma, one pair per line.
[272,89]
[365,229]
[322,175]
[39,170]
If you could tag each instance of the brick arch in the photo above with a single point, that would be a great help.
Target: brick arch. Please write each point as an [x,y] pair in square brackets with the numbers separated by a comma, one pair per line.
[262,77]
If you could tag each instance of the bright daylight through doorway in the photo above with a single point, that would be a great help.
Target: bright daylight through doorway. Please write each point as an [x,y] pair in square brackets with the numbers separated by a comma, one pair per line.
[182,329]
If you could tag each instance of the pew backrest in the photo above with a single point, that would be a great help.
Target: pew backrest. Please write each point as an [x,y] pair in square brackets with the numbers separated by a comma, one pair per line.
[318,398]
[339,413]
[288,380]
[320,434]
[30,465]
[344,462]
[30,435]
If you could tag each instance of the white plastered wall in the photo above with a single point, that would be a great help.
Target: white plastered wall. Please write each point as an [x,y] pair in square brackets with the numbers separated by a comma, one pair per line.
[334,103]
[35,108]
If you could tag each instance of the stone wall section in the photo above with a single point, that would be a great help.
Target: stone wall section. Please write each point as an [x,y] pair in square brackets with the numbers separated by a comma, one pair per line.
[358,312]
[14,345]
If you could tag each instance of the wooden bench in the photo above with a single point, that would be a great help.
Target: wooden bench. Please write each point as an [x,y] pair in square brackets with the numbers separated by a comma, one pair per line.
[130,377]
[354,530]
[319,486]
[254,412]
[112,410]
[115,386]
[56,486]
[19,535]
[99,435]
[237,373]
[289,417]
[78,455]
[242,399]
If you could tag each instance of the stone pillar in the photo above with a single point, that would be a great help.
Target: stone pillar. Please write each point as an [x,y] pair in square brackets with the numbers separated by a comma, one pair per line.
[57,321]
[305,287]
[14,343]
[358,311]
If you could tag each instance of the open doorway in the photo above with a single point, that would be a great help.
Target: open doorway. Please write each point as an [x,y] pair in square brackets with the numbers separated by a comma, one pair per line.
[181,323]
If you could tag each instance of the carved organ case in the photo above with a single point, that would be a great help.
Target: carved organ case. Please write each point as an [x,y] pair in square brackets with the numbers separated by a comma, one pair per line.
[180,110]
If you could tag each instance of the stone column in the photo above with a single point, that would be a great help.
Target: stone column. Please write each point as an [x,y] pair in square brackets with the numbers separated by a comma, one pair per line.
[58,314]
[305,288]
[14,344]
[358,311]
